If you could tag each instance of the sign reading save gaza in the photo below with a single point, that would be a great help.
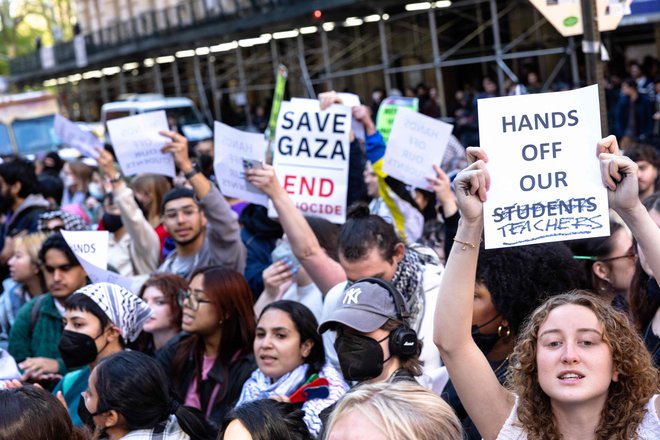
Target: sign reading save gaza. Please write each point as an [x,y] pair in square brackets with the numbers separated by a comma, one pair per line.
[545,176]
[311,152]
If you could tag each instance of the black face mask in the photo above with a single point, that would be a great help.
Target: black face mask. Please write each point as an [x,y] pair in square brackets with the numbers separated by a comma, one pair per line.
[360,357]
[487,341]
[112,222]
[652,289]
[77,349]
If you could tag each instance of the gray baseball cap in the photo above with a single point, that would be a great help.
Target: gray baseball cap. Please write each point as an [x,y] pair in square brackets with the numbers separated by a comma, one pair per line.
[365,307]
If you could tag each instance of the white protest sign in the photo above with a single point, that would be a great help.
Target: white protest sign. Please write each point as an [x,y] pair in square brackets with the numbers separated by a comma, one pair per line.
[232,148]
[137,144]
[83,141]
[545,176]
[311,151]
[416,143]
[91,246]
[353,100]
[98,275]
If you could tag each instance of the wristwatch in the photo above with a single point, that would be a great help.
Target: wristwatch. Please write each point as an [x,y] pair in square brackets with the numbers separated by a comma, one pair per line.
[191,173]
[117,177]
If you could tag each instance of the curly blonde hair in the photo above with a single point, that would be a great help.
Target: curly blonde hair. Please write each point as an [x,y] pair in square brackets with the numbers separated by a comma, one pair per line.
[625,405]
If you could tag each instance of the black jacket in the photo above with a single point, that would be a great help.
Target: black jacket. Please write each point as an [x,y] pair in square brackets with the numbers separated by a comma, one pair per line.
[239,371]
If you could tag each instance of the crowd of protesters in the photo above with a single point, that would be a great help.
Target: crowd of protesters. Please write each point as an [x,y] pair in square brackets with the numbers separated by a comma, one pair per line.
[397,324]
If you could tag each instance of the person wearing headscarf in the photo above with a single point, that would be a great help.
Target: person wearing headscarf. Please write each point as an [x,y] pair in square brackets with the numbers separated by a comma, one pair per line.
[54,221]
[99,320]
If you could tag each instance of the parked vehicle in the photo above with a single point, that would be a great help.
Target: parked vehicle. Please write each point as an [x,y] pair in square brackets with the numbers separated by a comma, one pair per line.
[27,123]
[181,113]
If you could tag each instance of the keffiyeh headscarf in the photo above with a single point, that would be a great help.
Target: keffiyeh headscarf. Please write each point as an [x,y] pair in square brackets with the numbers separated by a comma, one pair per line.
[125,309]
[72,222]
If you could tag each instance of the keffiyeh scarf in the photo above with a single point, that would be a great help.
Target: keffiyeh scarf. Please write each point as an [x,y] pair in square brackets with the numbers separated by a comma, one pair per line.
[408,280]
[125,309]
[258,386]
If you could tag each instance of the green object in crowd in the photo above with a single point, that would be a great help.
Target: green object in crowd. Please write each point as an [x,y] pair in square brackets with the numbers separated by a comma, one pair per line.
[387,112]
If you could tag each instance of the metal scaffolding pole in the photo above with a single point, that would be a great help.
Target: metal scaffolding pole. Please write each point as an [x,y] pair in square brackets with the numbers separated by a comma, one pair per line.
[274,56]
[214,88]
[199,85]
[158,79]
[122,82]
[175,77]
[327,66]
[303,68]
[384,54]
[440,84]
[498,45]
[242,85]
[103,84]
[575,73]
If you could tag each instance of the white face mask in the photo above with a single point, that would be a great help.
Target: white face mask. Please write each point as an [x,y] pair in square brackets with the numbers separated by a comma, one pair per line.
[95,191]
[69,180]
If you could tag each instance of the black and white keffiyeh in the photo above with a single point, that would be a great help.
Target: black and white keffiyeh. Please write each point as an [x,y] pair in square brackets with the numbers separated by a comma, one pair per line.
[72,222]
[125,309]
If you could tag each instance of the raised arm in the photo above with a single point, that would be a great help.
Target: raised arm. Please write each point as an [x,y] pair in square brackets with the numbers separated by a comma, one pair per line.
[224,232]
[323,270]
[145,251]
[486,401]
[619,175]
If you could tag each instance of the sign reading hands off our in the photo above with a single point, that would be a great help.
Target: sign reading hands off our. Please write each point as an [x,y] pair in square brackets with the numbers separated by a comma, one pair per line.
[232,147]
[310,158]
[545,176]
[416,143]
[91,251]
[137,144]
[83,141]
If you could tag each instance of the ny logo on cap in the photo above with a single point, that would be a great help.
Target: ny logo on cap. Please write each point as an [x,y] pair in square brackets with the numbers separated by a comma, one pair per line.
[351,295]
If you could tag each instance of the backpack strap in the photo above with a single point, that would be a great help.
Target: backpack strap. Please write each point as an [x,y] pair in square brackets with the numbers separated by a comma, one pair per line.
[35,311]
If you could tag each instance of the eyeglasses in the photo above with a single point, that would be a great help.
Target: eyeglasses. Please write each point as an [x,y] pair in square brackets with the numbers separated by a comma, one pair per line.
[187,211]
[193,298]
[627,255]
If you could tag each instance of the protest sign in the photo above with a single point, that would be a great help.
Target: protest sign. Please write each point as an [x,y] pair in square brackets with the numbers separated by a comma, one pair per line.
[387,112]
[83,141]
[98,275]
[311,158]
[545,176]
[91,246]
[137,144]
[416,143]
[232,148]
[353,100]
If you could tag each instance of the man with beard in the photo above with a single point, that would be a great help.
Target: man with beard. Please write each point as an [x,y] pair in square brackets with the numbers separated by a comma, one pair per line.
[19,202]
[201,222]
[648,161]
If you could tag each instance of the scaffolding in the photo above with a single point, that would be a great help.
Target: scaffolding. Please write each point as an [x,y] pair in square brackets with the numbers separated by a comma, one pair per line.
[382,47]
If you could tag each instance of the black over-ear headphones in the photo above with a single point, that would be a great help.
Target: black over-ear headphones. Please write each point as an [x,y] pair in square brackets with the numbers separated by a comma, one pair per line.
[403,340]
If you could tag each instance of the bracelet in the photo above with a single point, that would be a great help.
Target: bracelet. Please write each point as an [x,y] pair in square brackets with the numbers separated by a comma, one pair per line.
[117,178]
[466,244]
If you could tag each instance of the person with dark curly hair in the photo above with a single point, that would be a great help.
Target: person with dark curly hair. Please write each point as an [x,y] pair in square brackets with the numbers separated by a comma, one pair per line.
[266,419]
[510,283]
[579,369]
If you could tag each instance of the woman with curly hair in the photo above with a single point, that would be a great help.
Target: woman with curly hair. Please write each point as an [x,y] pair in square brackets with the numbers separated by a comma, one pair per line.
[579,369]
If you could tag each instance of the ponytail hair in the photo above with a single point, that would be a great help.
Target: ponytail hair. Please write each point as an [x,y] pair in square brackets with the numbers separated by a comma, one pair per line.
[145,388]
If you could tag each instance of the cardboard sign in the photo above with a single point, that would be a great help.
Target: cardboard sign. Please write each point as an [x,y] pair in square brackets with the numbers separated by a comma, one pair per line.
[83,141]
[416,143]
[91,246]
[387,112]
[545,176]
[234,150]
[311,151]
[137,144]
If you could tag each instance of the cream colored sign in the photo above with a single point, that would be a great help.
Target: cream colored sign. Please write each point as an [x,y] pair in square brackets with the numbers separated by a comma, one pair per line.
[566,15]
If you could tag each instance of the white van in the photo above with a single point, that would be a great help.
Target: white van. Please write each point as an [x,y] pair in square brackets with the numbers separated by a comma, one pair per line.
[180,111]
